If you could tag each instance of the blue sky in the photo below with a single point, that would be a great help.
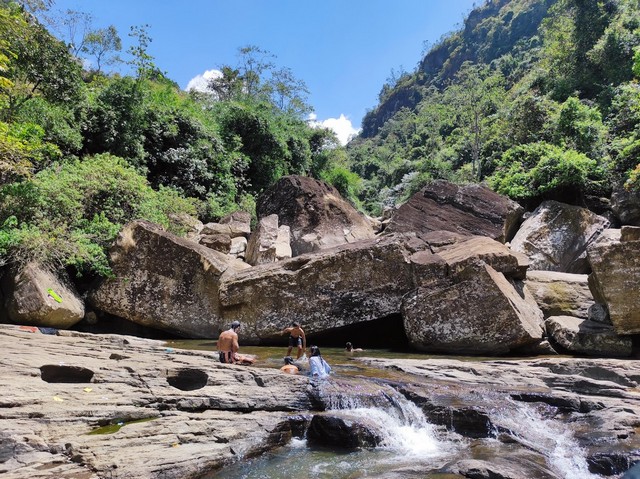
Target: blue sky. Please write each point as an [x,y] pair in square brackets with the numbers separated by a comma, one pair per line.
[344,50]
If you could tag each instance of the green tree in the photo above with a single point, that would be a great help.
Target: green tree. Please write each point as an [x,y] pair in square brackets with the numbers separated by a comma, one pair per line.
[38,64]
[477,94]
[102,45]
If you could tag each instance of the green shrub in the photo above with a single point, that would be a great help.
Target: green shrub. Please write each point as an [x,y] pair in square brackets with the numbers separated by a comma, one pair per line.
[545,171]
[68,214]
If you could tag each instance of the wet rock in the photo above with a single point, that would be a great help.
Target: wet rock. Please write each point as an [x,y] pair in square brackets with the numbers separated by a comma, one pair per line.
[582,336]
[560,294]
[467,210]
[500,468]
[343,431]
[318,216]
[556,235]
[164,282]
[614,280]
[480,313]
[35,296]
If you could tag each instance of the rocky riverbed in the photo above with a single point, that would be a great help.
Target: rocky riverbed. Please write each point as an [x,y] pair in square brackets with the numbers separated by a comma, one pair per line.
[180,414]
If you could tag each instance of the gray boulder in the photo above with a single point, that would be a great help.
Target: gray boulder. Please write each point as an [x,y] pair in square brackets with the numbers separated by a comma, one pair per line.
[35,296]
[626,205]
[556,235]
[582,336]
[615,278]
[467,210]
[346,285]
[218,242]
[261,247]
[318,216]
[479,312]
[164,282]
[560,294]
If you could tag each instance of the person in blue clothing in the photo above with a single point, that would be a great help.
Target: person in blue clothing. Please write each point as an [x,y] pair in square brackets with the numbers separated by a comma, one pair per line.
[318,366]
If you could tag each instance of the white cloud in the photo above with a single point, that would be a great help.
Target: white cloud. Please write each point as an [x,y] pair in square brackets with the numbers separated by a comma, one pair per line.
[199,83]
[341,126]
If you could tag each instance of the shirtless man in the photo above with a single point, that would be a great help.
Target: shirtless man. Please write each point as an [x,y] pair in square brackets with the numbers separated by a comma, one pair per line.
[228,344]
[296,338]
[289,367]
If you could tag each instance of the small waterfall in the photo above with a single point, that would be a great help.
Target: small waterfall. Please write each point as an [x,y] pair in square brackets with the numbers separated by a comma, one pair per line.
[402,424]
[534,427]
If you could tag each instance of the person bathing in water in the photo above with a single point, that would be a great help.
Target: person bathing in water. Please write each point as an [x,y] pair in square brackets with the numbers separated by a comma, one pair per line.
[228,347]
[317,364]
[289,367]
[350,349]
[296,338]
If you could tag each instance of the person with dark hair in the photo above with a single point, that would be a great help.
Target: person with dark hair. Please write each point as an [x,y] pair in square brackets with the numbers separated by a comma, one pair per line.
[296,338]
[289,367]
[350,349]
[228,347]
[317,364]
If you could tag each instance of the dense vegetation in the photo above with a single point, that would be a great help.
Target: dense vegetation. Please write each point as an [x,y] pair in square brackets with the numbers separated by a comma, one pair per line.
[83,151]
[538,98]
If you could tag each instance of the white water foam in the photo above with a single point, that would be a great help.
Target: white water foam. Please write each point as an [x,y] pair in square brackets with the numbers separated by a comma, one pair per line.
[401,423]
[547,436]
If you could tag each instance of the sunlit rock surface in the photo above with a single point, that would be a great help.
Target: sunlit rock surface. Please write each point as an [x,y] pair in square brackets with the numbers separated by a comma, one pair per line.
[615,279]
[556,235]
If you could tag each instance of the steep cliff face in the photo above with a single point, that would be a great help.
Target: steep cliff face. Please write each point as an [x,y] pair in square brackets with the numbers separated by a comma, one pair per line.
[496,29]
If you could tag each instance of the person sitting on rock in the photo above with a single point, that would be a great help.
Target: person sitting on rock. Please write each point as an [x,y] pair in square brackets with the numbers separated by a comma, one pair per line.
[350,349]
[296,338]
[289,367]
[317,364]
[228,347]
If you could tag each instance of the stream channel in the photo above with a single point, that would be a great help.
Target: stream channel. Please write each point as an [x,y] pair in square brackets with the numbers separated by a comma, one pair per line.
[540,439]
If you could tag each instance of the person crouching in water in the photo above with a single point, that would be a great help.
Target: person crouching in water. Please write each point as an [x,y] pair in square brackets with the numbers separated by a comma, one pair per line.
[289,367]
[228,347]
[228,344]
[318,366]
[296,338]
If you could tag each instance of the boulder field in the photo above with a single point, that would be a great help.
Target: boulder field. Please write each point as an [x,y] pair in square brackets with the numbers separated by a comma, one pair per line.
[457,269]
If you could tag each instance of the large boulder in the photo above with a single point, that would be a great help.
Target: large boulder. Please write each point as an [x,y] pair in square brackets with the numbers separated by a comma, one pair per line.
[561,294]
[582,336]
[626,205]
[343,286]
[35,296]
[615,278]
[464,252]
[556,236]
[478,311]
[468,210]
[318,216]
[261,247]
[164,281]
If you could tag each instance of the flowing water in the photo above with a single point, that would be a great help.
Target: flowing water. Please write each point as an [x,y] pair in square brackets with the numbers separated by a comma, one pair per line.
[410,444]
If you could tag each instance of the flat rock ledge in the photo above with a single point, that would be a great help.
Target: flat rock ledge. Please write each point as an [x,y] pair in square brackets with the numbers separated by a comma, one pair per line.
[168,413]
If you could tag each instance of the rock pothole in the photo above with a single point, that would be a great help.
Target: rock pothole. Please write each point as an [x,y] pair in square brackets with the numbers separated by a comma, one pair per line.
[188,379]
[53,373]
